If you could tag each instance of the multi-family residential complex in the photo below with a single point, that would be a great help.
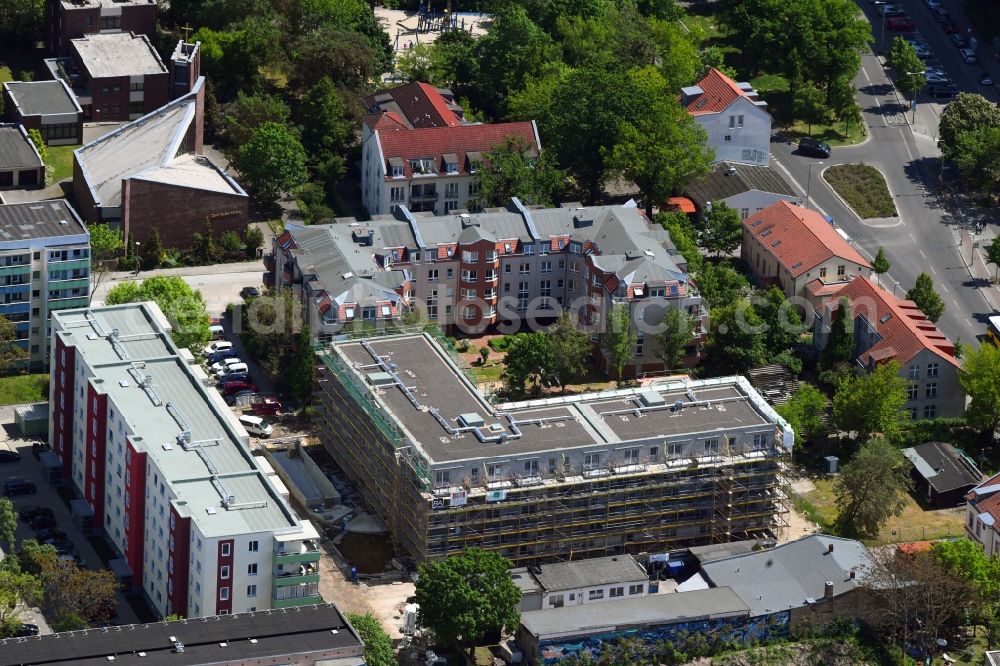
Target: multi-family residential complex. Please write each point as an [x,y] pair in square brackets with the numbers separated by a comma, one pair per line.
[166,471]
[44,267]
[418,150]
[70,19]
[673,464]
[736,121]
[887,328]
[982,515]
[486,269]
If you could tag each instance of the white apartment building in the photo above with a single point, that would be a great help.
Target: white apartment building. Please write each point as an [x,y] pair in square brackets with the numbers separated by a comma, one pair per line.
[737,123]
[165,472]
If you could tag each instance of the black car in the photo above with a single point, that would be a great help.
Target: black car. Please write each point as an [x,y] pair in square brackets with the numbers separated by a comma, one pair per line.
[18,487]
[27,630]
[959,40]
[220,356]
[246,293]
[50,533]
[9,456]
[944,91]
[32,510]
[813,147]
[42,522]
[234,377]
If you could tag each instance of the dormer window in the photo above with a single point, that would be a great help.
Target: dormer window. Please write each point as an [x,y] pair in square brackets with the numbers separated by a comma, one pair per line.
[396,167]
[450,163]
[451,167]
[424,165]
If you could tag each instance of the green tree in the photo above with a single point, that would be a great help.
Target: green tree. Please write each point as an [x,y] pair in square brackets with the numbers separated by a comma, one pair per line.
[967,559]
[36,558]
[467,596]
[43,150]
[721,284]
[926,298]
[840,345]
[510,171]
[722,230]
[272,162]
[106,244]
[980,379]
[17,589]
[303,367]
[231,246]
[909,68]
[570,348]
[871,403]
[781,319]
[975,156]
[183,306]
[72,594]
[353,17]
[203,250]
[736,337]
[881,264]
[22,21]
[969,111]
[871,488]
[8,522]
[12,354]
[618,339]
[344,57]
[326,127]
[841,99]
[993,257]
[242,116]
[663,148]
[529,356]
[672,341]
[804,411]
[152,250]
[810,105]
[683,236]
[378,644]
[484,354]
[253,240]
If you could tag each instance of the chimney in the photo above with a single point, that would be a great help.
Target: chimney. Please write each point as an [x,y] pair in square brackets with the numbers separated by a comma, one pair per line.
[852,574]
[829,549]
[828,590]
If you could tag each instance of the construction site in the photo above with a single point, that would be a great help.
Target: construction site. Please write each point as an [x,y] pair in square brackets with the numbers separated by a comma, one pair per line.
[637,470]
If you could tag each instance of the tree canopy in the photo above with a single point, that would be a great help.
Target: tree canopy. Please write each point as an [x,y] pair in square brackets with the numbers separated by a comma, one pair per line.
[510,171]
[467,596]
[183,306]
[529,356]
[804,412]
[968,112]
[378,644]
[871,403]
[571,348]
[672,341]
[980,378]
[926,298]
[872,488]
[12,353]
[722,230]
[909,69]
[736,338]
[272,162]
[618,339]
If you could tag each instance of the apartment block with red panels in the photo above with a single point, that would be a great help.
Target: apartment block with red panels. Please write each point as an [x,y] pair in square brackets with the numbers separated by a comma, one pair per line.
[166,469]
[471,272]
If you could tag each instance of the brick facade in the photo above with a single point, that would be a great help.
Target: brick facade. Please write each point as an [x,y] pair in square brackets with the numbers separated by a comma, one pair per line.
[111,97]
[179,212]
[66,21]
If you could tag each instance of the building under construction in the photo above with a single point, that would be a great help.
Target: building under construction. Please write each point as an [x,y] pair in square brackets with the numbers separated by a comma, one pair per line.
[678,464]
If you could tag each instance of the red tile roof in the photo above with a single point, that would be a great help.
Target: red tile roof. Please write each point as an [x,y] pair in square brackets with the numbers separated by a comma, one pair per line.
[799,238]
[818,289]
[904,329]
[421,104]
[408,144]
[682,204]
[719,92]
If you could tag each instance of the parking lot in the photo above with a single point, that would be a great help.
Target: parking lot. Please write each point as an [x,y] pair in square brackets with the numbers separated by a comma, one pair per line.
[29,469]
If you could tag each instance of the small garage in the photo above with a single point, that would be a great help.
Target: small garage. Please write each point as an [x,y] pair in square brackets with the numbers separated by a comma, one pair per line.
[32,420]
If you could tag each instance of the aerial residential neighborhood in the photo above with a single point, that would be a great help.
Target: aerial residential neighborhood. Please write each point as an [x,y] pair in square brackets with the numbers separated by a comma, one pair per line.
[433,332]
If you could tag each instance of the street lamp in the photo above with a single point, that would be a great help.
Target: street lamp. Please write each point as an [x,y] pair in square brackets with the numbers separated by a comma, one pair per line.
[810,181]
[137,264]
[913,102]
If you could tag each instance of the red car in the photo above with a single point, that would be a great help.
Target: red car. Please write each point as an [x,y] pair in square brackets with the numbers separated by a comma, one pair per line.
[264,406]
[232,388]
[898,24]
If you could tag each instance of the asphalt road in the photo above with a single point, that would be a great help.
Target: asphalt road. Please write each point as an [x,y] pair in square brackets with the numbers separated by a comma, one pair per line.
[924,238]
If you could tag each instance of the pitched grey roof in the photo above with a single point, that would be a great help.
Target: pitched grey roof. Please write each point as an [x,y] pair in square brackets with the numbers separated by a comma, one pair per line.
[656,609]
[943,466]
[16,149]
[788,575]
[42,98]
[728,180]
[589,573]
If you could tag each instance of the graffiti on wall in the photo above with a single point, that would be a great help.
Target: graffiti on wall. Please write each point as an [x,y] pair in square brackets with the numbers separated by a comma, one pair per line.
[722,630]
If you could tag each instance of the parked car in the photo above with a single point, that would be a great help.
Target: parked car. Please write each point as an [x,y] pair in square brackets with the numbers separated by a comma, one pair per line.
[217,346]
[234,386]
[13,487]
[232,369]
[50,533]
[959,40]
[234,377]
[944,91]
[888,11]
[933,4]
[256,426]
[968,56]
[813,147]
[216,332]
[221,355]
[224,363]
[26,630]
[235,398]
[900,24]
[263,405]
[42,522]
[32,510]
[941,14]
[986,79]
[936,76]
[56,541]
[246,293]
[7,456]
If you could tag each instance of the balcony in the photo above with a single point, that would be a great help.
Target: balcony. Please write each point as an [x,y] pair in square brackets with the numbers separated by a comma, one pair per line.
[17,269]
[72,302]
[69,264]
[300,601]
[70,283]
[490,294]
[492,277]
[425,197]
[300,575]
[297,552]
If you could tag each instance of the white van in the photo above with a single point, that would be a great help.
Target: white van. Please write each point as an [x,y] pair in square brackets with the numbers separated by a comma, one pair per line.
[256,426]
[219,345]
[217,332]
[233,369]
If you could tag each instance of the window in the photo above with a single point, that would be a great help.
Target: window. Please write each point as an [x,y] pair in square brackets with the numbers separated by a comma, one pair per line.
[932,369]
[252,569]
[822,272]
[739,121]
[251,591]
[224,593]
[744,213]
[712,446]
[931,390]
[732,122]
[654,451]
[592,461]
[432,275]
[841,271]
[631,456]
[453,168]
[594,595]
[639,343]
[930,411]
[524,269]
[556,601]
[494,472]
[397,171]
[545,288]
[546,266]
[470,257]
[254,546]
[914,371]
[442,477]
[225,550]
[451,191]
[616,592]
[396,194]
[675,450]
[911,391]
[635,589]
[531,467]
[224,573]
[135,108]
[913,413]
[759,441]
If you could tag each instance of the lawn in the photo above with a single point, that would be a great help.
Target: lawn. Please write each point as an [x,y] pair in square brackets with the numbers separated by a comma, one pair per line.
[914,524]
[61,161]
[773,88]
[863,188]
[18,389]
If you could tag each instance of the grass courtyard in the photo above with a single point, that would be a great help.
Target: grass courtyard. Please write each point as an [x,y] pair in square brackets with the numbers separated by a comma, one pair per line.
[18,389]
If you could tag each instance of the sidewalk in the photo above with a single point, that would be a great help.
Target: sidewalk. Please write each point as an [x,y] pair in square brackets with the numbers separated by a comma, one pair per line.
[249,266]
